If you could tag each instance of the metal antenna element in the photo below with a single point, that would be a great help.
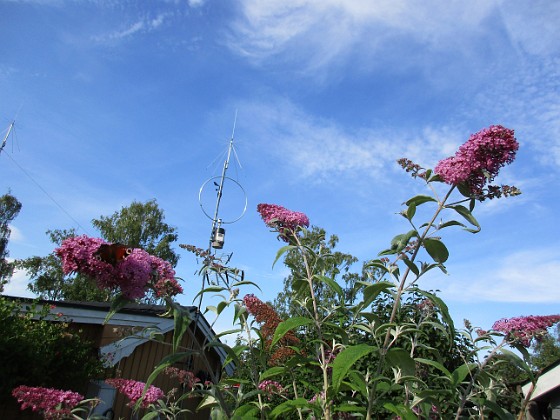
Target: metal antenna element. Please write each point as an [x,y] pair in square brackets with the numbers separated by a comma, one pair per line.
[7,135]
[218,232]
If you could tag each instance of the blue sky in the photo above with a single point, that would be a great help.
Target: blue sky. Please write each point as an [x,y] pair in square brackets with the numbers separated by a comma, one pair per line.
[118,101]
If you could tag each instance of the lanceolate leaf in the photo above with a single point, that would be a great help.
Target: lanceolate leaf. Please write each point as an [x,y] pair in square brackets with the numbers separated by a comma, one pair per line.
[116,305]
[289,325]
[463,211]
[281,252]
[400,358]
[182,321]
[345,360]
[273,371]
[419,199]
[437,250]
[372,291]
[444,311]
[333,285]
[288,406]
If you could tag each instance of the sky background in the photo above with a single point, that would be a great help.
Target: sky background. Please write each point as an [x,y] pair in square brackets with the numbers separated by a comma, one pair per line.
[116,101]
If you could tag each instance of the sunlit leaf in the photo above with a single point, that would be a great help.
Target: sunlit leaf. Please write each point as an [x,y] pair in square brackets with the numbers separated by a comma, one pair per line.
[345,360]
[437,250]
[289,325]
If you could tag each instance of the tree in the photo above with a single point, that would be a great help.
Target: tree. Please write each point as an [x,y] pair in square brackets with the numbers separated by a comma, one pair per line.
[337,265]
[546,351]
[140,225]
[9,209]
[49,282]
[36,351]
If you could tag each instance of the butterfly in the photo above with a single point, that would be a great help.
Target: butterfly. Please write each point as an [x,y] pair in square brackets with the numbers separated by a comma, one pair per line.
[112,253]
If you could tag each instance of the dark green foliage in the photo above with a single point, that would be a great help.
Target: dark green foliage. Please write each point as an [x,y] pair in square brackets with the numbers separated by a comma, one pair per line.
[37,352]
[49,282]
[329,263]
[140,225]
[9,209]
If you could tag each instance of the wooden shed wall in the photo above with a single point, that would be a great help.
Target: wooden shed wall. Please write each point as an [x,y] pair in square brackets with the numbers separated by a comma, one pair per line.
[140,364]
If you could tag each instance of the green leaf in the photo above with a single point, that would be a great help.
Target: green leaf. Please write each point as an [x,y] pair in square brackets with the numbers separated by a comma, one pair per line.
[463,211]
[288,406]
[420,199]
[464,189]
[215,289]
[444,311]
[451,223]
[182,322]
[281,252]
[371,292]
[499,411]
[435,364]
[232,354]
[345,360]
[400,358]
[516,360]
[116,305]
[461,373]
[400,242]
[331,283]
[207,402]
[247,411]
[234,331]
[289,325]
[402,411]
[246,282]
[437,250]
[411,211]
[273,371]
[238,311]
[413,267]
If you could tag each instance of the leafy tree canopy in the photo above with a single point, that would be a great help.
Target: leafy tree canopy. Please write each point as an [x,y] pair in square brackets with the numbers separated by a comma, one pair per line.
[336,266]
[139,225]
[9,209]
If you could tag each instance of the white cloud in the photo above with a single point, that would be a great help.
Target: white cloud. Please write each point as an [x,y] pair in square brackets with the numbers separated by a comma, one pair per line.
[17,286]
[318,149]
[144,25]
[196,3]
[324,30]
[16,235]
[529,276]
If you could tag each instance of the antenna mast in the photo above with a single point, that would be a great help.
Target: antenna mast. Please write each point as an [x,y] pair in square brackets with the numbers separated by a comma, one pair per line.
[218,232]
[7,135]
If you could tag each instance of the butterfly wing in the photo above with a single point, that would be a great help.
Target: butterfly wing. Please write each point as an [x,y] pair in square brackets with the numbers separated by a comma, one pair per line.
[112,253]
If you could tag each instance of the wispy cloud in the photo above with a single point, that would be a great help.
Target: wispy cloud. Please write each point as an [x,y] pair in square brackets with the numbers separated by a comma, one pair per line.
[144,25]
[15,234]
[322,31]
[318,149]
[526,276]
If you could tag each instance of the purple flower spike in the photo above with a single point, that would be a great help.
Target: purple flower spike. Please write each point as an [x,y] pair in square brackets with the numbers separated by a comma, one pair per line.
[479,160]
[284,220]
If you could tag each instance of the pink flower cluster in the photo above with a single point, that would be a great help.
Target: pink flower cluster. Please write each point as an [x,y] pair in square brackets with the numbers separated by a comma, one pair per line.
[284,220]
[133,275]
[133,391]
[52,403]
[524,328]
[480,158]
[269,388]
[167,287]
[185,377]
